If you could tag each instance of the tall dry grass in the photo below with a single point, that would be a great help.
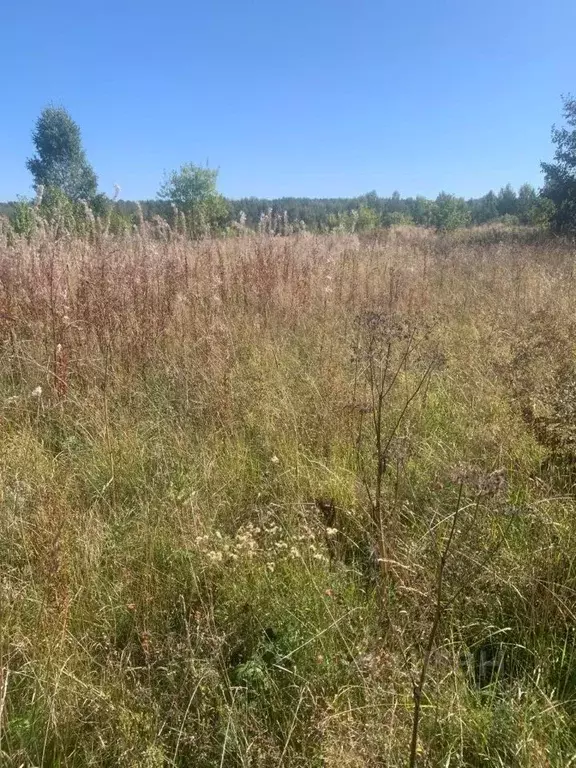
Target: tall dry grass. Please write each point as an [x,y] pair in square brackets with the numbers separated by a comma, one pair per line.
[230,472]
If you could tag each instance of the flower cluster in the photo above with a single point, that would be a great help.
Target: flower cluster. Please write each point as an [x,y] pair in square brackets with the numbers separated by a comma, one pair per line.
[269,543]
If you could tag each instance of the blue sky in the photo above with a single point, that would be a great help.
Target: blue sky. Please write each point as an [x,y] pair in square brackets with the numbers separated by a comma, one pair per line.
[306,98]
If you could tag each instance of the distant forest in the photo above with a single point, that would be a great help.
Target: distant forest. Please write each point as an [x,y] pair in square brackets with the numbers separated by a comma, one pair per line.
[370,210]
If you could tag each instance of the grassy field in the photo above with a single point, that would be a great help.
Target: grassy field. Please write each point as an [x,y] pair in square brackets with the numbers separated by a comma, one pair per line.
[268,501]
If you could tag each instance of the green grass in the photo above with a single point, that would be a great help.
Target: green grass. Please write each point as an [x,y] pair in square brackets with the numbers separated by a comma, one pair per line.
[172,591]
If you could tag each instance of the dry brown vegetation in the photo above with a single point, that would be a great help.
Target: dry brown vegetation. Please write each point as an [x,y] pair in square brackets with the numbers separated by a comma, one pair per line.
[229,472]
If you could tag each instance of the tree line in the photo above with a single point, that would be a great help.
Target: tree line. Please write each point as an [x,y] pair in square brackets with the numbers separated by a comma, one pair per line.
[67,196]
[370,211]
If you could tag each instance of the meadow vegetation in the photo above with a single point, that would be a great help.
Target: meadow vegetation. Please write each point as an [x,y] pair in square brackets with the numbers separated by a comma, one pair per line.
[262,498]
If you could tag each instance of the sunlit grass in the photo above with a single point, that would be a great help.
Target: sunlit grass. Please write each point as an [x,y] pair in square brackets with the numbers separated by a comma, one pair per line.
[191,568]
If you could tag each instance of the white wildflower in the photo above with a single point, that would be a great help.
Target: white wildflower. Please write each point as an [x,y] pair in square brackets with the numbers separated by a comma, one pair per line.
[272,530]
[294,552]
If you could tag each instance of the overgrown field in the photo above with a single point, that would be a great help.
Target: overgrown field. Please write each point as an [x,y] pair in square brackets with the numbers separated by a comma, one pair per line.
[262,498]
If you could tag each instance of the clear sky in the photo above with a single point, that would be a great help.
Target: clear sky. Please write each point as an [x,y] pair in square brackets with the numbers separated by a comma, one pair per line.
[321,98]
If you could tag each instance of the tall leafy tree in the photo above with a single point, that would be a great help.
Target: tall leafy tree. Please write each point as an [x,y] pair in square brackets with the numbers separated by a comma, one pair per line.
[484,209]
[560,176]
[450,212]
[190,185]
[507,201]
[527,200]
[193,190]
[423,211]
[60,161]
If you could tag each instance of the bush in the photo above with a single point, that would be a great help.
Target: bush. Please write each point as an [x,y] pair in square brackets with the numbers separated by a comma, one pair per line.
[450,213]
[23,219]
